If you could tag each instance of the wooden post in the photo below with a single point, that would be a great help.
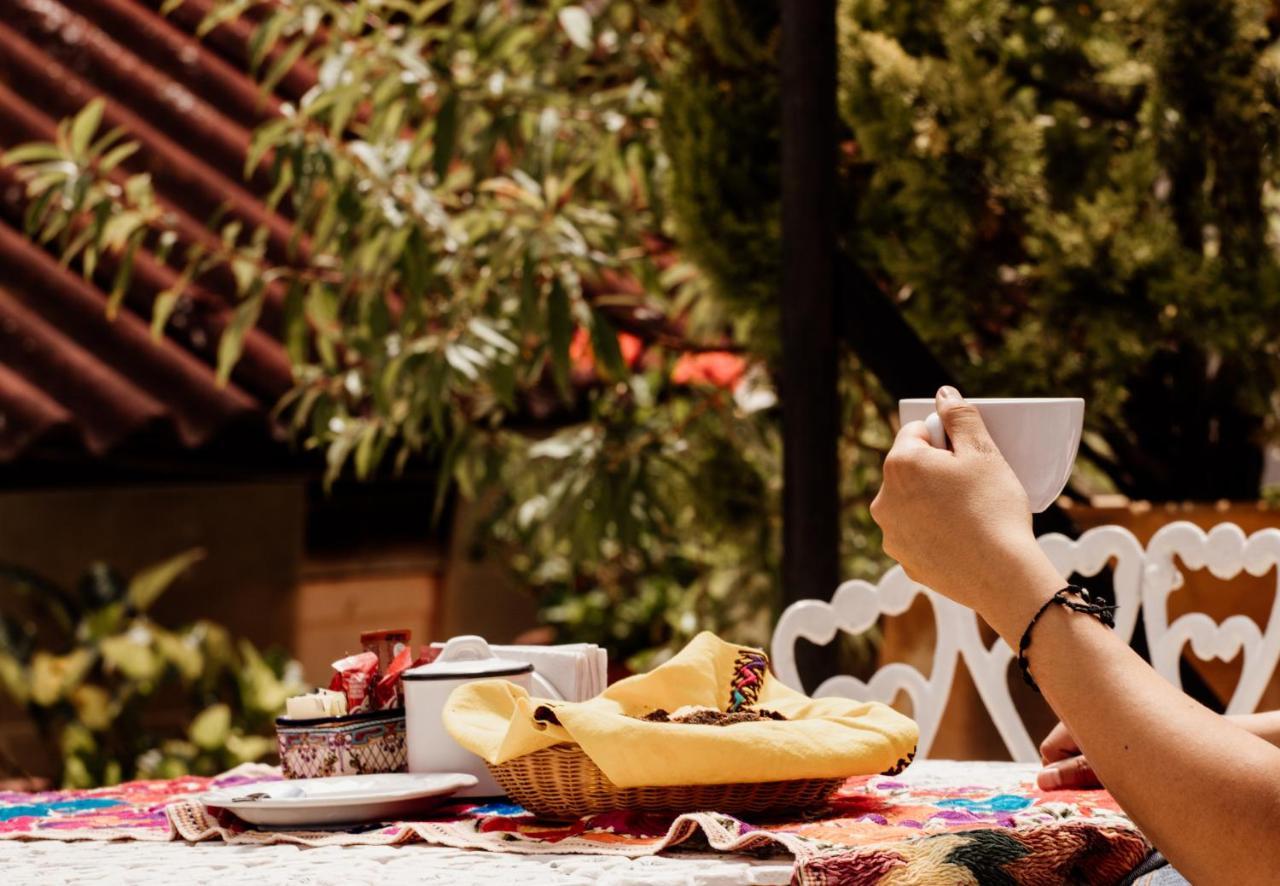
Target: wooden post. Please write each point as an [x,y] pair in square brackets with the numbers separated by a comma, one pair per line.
[810,407]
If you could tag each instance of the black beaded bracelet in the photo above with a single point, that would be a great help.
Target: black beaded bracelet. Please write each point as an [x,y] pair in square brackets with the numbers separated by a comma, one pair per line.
[1103,612]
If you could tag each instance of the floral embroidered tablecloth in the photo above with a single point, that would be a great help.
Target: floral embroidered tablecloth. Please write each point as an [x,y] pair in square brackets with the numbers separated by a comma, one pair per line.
[939,822]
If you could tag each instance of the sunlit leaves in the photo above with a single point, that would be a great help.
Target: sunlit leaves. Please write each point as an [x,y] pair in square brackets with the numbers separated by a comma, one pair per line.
[460,177]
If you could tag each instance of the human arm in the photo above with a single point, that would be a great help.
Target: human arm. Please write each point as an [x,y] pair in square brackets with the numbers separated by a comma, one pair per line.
[1200,786]
[1065,766]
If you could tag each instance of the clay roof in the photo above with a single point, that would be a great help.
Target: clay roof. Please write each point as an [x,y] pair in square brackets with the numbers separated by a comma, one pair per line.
[70,378]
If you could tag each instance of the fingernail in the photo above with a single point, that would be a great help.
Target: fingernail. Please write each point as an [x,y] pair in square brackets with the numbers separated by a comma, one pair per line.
[946,392]
[1049,779]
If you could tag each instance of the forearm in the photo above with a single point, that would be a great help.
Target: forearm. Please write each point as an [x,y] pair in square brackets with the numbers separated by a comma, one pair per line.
[1201,787]
[1265,726]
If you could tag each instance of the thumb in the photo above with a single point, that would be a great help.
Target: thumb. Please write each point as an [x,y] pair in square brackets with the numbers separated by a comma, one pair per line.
[962,421]
[1072,773]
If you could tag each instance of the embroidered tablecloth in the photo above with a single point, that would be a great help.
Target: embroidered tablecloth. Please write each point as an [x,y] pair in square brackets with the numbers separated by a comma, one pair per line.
[939,822]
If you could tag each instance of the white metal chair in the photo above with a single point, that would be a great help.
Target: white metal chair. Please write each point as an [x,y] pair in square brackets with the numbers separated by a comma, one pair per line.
[1148,576]
[1226,552]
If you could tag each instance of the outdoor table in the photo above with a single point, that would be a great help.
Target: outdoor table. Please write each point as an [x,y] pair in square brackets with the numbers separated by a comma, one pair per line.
[975,795]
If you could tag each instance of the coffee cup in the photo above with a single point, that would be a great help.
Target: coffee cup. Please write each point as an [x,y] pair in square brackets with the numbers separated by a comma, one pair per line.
[1038,437]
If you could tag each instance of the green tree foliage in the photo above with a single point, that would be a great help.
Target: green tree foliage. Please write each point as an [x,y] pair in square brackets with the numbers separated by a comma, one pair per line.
[479,201]
[92,669]
[1062,198]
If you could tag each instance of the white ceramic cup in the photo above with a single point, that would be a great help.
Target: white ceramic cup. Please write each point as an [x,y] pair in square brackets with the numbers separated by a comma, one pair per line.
[1038,437]
[426,689]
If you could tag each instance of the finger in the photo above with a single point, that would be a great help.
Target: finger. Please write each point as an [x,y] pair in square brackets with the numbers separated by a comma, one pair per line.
[962,421]
[1058,745]
[912,435]
[1074,773]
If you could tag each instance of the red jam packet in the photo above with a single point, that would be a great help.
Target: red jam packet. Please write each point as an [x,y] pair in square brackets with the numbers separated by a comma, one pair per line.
[386,644]
[355,677]
[389,692]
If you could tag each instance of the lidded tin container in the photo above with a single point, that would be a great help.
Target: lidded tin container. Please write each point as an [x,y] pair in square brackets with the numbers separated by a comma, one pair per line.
[426,689]
[355,744]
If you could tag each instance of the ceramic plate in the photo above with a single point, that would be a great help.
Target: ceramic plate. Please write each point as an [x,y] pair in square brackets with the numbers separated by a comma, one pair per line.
[343,798]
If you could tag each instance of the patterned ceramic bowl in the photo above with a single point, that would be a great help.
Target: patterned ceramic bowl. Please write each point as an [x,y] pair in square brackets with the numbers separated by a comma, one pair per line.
[353,745]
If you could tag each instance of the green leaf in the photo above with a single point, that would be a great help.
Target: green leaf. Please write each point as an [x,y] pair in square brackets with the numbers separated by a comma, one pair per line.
[84,125]
[116,156]
[528,294]
[211,727]
[124,274]
[265,37]
[484,331]
[604,341]
[368,452]
[231,344]
[559,334]
[35,214]
[446,135]
[339,450]
[265,138]
[245,272]
[147,586]
[162,310]
[133,658]
[283,64]
[32,152]
[576,22]
[297,333]
[14,679]
[220,13]
[249,748]
[184,656]
[444,480]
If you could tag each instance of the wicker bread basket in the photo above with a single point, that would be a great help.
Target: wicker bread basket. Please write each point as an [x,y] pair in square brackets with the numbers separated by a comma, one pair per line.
[561,782]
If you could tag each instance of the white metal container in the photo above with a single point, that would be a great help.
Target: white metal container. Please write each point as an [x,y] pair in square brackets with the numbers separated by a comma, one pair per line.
[426,689]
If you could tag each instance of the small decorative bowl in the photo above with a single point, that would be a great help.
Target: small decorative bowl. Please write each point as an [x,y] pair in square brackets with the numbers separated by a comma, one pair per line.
[356,744]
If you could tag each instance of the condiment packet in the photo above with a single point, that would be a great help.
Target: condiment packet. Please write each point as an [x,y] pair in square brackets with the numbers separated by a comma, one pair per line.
[386,644]
[389,692]
[355,677]
[321,703]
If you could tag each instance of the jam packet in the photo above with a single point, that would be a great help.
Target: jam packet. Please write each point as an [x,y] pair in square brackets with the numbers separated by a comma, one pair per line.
[355,676]
[389,692]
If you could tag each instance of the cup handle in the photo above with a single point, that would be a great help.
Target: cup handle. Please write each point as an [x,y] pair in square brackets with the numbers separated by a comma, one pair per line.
[467,647]
[937,434]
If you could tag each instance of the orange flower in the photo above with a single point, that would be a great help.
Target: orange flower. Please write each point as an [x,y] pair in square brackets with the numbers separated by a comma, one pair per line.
[720,369]
[582,354]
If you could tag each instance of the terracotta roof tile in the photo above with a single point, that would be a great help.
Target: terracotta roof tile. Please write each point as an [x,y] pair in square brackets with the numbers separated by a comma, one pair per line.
[67,372]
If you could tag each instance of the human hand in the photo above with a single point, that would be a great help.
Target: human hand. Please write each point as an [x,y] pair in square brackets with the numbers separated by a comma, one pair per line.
[958,520]
[1065,768]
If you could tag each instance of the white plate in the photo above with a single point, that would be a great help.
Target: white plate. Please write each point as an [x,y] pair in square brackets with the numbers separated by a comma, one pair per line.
[342,798]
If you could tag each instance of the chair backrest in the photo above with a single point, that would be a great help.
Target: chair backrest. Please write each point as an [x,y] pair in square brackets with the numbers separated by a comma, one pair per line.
[1148,576]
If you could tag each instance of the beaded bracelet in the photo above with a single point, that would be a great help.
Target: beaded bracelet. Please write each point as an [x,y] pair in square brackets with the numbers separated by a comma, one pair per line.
[1103,612]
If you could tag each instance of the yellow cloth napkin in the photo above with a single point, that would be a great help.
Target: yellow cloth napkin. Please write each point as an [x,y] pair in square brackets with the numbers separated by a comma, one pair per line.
[821,738]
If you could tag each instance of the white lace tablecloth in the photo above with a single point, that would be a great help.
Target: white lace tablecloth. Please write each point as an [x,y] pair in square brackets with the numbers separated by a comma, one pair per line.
[51,862]
[48,862]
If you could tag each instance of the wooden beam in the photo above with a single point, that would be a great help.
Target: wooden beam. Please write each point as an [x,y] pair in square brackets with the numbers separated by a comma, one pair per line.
[810,407]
